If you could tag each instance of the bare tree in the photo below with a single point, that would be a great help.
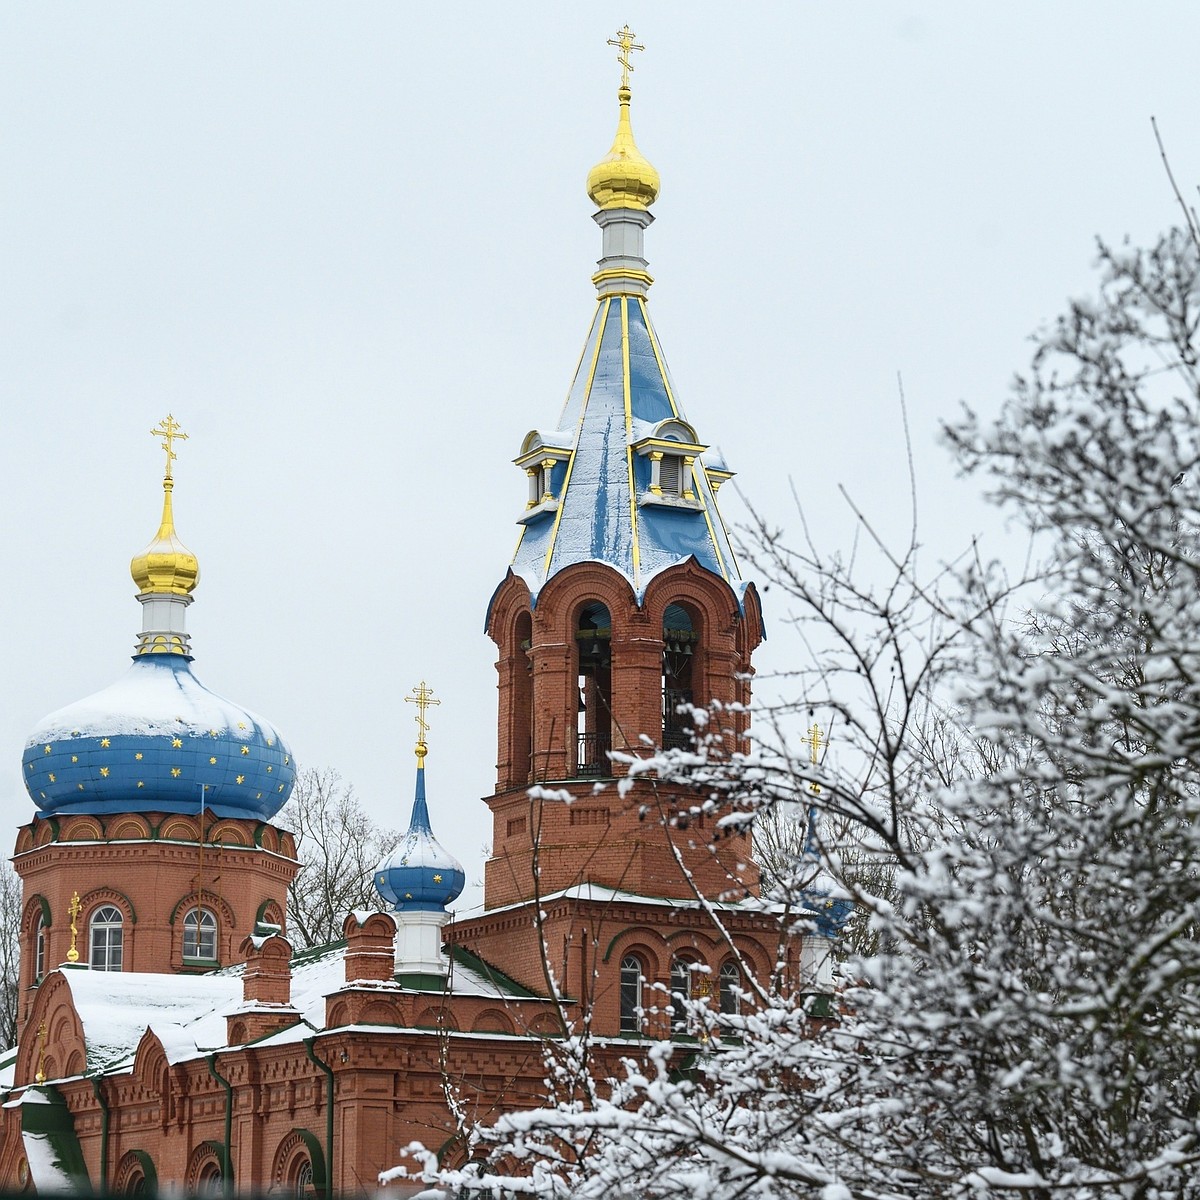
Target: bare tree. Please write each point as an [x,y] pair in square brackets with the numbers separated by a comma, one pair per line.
[10,953]
[339,847]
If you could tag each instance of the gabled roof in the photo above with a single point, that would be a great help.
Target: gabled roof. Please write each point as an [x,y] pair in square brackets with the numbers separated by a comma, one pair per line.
[606,511]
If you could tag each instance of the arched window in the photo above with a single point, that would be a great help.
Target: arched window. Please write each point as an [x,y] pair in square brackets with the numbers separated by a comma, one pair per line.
[593,643]
[681,993]
[107,939]
[200,935]
[39,948]
[209,1179]
[632,973]
[729,981]
[302,1180]
[679,648]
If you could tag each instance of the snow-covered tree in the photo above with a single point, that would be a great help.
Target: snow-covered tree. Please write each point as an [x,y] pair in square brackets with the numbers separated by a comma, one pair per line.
[1014,809]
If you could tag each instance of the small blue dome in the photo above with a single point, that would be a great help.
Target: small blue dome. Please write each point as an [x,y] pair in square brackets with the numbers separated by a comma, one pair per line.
[420,874]
[157,740]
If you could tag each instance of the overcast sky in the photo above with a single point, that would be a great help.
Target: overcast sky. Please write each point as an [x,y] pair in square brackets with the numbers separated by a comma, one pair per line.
[349,247]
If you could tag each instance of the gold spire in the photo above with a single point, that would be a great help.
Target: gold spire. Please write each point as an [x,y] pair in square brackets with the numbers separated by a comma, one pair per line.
[623,178]
[423,698]
[166,566]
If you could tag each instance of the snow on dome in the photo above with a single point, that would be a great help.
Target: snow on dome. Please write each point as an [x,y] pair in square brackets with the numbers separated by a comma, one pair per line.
[420,874]
[157,740]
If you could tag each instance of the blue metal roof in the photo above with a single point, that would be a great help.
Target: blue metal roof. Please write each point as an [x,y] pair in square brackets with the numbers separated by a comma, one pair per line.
[605,510]
[157,740]
[420,874]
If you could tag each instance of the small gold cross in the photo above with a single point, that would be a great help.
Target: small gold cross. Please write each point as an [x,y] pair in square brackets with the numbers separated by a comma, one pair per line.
[423,698]
[170,431]
[815,742]
[74,910]
[625,43]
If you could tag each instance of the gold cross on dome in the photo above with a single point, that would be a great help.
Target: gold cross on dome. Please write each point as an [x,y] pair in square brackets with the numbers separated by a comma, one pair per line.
[624,43]
[74,909]
[170,431]
[815,742]
[423,698]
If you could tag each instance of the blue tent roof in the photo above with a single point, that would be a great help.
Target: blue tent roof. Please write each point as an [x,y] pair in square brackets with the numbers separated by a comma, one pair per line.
[606,510]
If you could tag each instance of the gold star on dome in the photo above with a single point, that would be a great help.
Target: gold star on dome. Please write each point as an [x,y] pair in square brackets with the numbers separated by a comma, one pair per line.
[245,749]
[287,762]
[241,779]
[79,786]
[408,895]
[74,757]
[241,724]
[269,770]
[138,756]
[437,879]
[177,743]
[29,766]
[212,733]
[176,772]
[104,743]
[52,779]
[141,784]
[47,749]
[258,795]
[212,762]
[104,772]
[280,788]
[270,741]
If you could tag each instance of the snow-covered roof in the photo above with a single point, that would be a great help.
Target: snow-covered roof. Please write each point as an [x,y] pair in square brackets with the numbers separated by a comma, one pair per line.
[186,1012]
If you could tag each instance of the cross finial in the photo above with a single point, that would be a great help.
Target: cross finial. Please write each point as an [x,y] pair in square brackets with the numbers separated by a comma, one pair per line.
[624,43]
[423,698]
[815,742]
[170,431]
[40,1074]
[74,909]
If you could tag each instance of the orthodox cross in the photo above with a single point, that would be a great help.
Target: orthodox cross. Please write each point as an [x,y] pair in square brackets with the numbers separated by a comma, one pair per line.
[40,1074]
[423,698]
[625,43]
[170,431]
[74,908]
[815,742]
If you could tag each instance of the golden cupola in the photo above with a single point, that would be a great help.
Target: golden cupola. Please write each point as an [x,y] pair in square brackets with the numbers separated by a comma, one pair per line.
[624,178]
[166,567]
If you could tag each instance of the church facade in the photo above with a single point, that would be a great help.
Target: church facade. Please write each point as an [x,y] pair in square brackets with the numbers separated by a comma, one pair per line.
[169,1034]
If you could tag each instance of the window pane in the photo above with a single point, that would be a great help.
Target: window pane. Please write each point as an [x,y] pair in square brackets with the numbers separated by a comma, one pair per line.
[631,995]
[200,934]
[106,939]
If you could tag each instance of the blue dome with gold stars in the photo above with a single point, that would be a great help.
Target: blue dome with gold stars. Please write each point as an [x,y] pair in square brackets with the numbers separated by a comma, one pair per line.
[158,740]
[420,875]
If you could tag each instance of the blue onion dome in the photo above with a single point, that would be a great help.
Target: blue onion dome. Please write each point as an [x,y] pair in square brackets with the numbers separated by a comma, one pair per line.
[158,740]
[420,874]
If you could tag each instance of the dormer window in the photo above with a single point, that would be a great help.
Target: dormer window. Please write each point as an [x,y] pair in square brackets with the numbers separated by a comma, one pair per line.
[671,451]
[544,457]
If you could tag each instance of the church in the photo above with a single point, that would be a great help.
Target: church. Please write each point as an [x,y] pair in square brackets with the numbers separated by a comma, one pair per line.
[169,1035]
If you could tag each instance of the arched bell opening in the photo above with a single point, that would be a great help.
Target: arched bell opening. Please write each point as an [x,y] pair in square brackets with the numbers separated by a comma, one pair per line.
[521,758]
[681,643]
[593,652]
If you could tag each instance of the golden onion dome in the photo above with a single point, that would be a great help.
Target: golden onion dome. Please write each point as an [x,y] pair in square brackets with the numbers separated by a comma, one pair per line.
[623,178]
[166,566]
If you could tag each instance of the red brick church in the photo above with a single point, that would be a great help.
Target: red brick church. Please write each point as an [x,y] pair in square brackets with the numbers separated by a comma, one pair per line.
[169,1035]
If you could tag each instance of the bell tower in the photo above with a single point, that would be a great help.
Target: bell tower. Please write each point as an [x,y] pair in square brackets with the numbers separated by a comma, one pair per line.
[623,622]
